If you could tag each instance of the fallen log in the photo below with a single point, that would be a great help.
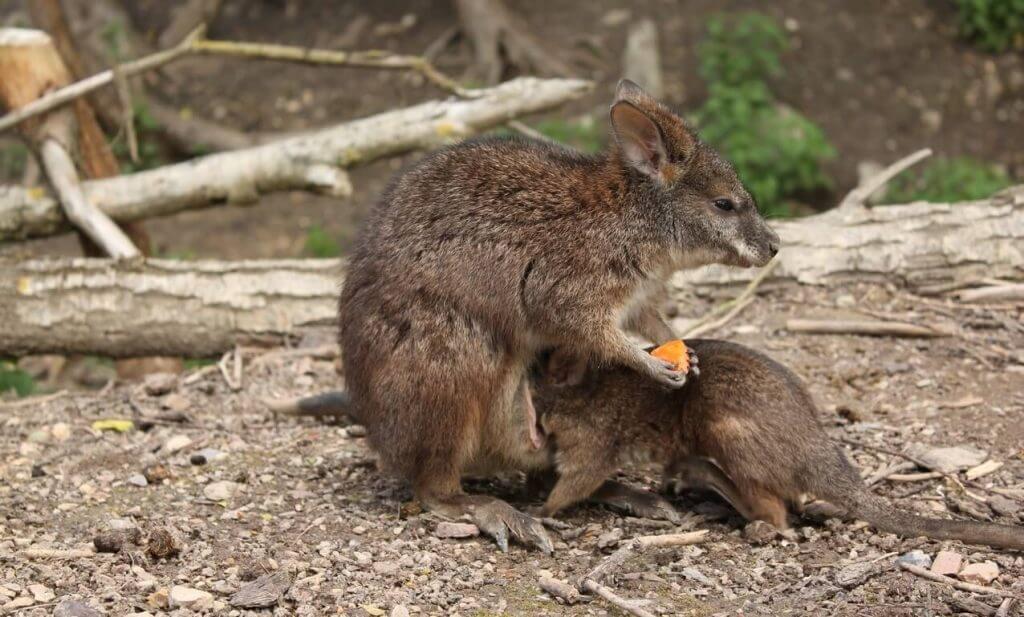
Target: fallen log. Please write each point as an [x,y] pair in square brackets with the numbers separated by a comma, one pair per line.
[914,245]
[311,161]
[204,308]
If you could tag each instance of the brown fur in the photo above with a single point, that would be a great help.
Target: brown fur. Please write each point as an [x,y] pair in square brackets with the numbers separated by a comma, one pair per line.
[485,252]
[747,416]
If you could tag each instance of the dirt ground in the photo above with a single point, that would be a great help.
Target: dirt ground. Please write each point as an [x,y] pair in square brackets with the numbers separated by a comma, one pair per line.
[304,499]
[882,78]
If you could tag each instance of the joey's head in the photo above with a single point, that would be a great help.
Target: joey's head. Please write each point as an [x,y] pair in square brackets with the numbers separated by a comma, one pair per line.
[690,188]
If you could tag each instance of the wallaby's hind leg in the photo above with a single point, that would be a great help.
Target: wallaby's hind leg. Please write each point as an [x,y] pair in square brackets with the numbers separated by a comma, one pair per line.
[752,502]
[495,518]
[635,501]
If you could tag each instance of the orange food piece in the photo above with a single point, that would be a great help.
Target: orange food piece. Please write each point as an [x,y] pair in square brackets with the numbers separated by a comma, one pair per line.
[674,352]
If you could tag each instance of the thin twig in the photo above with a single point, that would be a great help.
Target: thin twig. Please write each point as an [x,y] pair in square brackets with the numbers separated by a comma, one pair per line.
[962,586]
[1005,608]
[637,546]
[731,308]
[559,589]
[124,96]
[859,195]
[359,59]
[863,328]
[81,88]
[913,459]
[34,400]
[630,606]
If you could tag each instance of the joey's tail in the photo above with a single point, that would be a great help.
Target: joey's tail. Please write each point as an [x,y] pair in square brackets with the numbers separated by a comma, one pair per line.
[334,403]
[837,482]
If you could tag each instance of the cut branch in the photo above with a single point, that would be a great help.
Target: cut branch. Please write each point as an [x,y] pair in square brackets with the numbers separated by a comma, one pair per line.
[309,161]
[865,327]
[860,195]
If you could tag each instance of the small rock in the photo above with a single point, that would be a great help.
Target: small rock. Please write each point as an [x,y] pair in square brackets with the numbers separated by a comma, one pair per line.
[979,573]
[39,436]
[155,474]
[158,384]
[162,543]
[456,530]
[178,442]
[262,592]
[356,430]
[19,602]
[386,568]
[137,479]
[399,611]
[916,558]
[947,563]
[157,599]
[37,471]
[359,530]
[220,491]
[41,593]
[113,541]
[61,431]
[187,597]
[854,574]
[1003,505]
[75,608]
[950,459]
[610,538]
[175,402]
[206,455]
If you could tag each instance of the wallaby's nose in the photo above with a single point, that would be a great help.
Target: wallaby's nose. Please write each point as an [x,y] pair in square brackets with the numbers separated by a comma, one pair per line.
[773,247]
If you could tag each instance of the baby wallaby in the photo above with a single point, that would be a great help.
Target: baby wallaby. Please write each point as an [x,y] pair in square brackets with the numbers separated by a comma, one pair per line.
[485,252]
[747,428]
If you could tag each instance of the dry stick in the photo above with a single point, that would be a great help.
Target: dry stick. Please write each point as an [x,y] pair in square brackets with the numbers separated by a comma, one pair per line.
[124,96]
[865,327]
[358,59]
[639,545]
[1012,292]
[859,195]
[60,169]
[81,88]
[34,400]
[559,589]
[962,586]
[56,553]
[737,304]
[630,606]
[887,472]
[1005,608]
[195,43]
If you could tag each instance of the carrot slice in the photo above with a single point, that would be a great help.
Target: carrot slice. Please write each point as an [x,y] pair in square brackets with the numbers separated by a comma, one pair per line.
[674,352]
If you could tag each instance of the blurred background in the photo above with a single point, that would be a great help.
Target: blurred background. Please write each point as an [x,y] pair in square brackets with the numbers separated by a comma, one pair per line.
[801,95]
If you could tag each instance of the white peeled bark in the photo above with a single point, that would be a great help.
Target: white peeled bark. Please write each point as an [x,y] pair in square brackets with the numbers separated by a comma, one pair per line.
[310,161]
[202,308]
[916,245]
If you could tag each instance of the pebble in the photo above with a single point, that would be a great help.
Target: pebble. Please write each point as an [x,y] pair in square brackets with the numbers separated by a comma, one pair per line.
[854,574]
[162,543]
[610,538]
[356,430]
[19,602]
[175,402]
[61,431]
[187,597]
[399,611]
[42,593]
[950,459]
[178,442]
[979,573]
[386,568]
[1004,506]
[916,558]
[456,530]
[220,491]
[75,608]
[157,384]
[155,474]
[206,455]
[137,479]
[947,563]
[359,530]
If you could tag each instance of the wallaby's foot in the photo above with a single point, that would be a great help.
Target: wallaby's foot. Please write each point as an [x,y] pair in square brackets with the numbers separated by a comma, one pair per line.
[495,518]
[636,502]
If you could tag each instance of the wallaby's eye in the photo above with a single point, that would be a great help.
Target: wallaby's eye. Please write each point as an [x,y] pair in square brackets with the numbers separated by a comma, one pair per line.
[726,205]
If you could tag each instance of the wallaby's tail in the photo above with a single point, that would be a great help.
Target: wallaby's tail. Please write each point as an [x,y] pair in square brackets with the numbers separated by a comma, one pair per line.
[334,403]
[843,487]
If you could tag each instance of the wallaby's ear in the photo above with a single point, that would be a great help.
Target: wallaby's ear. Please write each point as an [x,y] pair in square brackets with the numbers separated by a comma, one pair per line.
[631,92]
[640,139]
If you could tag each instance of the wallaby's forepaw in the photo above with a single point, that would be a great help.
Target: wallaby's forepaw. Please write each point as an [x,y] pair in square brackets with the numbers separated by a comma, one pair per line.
[500,520]
[694,362]
[637,502]
[763,532]
[664,372]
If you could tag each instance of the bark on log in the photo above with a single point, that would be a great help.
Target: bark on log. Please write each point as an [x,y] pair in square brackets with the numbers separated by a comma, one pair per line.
[204,308]
[915,245]
[310,161]
[159,307]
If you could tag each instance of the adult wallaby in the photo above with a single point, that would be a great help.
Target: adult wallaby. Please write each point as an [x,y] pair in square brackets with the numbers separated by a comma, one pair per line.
[487,251]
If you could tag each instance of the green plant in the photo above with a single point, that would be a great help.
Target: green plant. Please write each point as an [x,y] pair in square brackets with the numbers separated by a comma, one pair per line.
[146,132]
[948,180]
[777,152]
[582,133]
[13,158]
[13,378]
[319,243]
[994,25]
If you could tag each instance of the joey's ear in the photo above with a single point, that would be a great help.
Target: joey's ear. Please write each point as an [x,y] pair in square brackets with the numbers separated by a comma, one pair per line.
[640,139]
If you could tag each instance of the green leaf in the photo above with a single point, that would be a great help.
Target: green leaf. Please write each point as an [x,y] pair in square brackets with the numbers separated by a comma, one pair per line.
[113,424]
